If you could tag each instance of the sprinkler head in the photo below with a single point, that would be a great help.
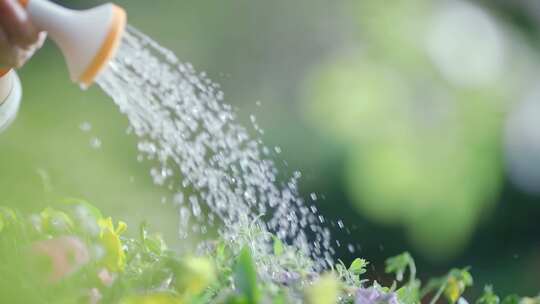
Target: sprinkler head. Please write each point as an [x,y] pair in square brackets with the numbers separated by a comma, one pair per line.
[88,39]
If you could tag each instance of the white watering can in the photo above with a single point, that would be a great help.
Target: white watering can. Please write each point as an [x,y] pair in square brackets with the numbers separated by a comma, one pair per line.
[88,40]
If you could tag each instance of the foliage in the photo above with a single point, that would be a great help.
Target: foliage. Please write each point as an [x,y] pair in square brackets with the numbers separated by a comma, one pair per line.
[72,254]
[415,119]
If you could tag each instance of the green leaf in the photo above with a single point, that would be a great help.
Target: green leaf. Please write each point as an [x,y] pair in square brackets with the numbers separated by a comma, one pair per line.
[399,264]
[245,276]
[143,231]
[463,276]
[511,299]
[410,293]
[221,253]
[153,298]
[155,244]
[278,246]
[358,266]
[7,215]
[75,202]
[488,297]
[457,281]
[56,221]
[235,299]
[279,298]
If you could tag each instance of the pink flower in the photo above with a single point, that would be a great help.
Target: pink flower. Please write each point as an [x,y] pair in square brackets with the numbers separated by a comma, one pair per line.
[67,254]
[105,277]
[94,296]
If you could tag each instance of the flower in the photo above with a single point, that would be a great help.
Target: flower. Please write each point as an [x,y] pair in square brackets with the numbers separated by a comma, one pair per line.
[197,274]
[528,300]
[324,291]
[462,300]
[67,254]
[115,257]
[374,295]
[94,296]
[287,277]
[105,277]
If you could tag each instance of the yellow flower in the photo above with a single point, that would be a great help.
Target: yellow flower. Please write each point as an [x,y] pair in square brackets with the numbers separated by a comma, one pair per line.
[324,291]
[115,257]
[197,274]
[453,289]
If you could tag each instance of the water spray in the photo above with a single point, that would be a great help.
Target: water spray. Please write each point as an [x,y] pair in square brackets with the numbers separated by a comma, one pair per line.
[88,39]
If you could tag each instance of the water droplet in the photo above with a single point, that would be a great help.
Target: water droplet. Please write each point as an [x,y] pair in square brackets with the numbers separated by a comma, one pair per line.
[178,198]
[85,126]
[95,143]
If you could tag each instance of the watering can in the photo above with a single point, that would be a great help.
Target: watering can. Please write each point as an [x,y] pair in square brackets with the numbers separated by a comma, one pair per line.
[88,39]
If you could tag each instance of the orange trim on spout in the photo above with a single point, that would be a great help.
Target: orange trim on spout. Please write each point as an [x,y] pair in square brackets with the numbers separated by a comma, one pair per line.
[4,72]
[108,48]
[24,2]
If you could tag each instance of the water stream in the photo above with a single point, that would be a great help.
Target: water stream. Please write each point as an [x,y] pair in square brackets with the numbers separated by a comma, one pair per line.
[221,177]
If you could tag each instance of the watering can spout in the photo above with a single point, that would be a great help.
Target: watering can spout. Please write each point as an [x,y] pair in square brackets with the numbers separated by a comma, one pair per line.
[88,39]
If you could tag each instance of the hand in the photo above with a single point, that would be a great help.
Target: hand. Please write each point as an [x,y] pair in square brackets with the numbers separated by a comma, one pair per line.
[19,39]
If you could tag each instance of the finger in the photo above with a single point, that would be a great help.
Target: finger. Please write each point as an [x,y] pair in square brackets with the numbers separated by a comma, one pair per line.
[42,36]
[12,56]
[7,51]
[16,23]
[4,45]
[21,56]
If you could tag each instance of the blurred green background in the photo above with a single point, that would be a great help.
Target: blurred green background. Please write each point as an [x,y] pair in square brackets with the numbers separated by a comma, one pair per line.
[416,122]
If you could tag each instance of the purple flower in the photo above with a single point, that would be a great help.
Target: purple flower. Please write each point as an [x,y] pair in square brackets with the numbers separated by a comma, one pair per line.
[373,295]
[287,277]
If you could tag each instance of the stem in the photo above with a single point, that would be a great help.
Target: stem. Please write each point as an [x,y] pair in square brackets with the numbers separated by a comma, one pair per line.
[412,270]
[438,294]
